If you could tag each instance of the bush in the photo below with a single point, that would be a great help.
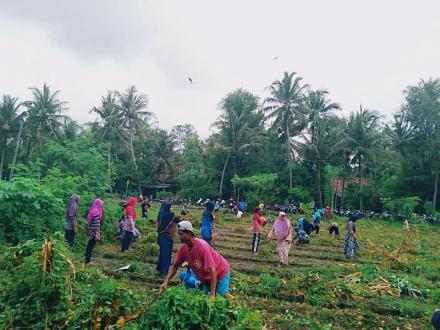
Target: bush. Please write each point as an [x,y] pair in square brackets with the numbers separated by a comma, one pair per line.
[301,194]
[164,194]
[42,288]
[180,308]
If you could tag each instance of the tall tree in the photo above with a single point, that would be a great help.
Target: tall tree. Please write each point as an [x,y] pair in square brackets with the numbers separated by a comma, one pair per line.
[10,121]
[362,135]
[240,128]
[134,117]
[286,105]
[319,106]
[44,114]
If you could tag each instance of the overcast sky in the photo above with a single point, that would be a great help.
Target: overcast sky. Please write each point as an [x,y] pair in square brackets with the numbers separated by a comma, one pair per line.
[360,51]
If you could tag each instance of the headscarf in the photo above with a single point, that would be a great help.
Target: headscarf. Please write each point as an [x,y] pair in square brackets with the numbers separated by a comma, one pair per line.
[209,208]
[282,227]
[165,217]
[72,209]
[301,223]
[130,209]
[96,210]
[257,210]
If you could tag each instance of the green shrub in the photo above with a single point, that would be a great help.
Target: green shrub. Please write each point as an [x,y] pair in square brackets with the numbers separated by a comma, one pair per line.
[180,308]
[164,194]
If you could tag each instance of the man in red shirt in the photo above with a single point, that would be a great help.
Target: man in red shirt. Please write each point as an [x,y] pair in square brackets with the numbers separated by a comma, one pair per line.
[206,263]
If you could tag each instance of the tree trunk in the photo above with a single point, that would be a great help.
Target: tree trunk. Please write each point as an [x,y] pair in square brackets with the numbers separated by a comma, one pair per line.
[223,175]
[434,197]
[361,204]
[342,192]
[289,157]
[1,162]
[14,160]
[134,160]
[319,185]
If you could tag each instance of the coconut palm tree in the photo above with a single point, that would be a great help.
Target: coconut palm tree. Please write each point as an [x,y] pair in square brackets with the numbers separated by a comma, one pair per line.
[10,121]
[133,116]
[319,106]
[240,128]
[327,142]
[286,105]
[361,135]
[44,115]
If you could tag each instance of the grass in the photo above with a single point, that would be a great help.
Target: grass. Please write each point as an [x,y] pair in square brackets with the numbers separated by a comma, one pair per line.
[320,289]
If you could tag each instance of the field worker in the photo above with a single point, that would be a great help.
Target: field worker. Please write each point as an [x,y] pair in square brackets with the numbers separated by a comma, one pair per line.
[256,229]
[327,213]
[317,220]
[71,224]
[166,230]
[207,229]
[94,219]
[282,231]
[128,224]
[351,244]
[144,208]
[207,264]
[333,227]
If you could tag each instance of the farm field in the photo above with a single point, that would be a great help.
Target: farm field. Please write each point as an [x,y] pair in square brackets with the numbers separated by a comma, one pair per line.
[320,289]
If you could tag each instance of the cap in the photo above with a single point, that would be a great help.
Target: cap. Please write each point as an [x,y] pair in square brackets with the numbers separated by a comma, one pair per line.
[281,214]
[185,226]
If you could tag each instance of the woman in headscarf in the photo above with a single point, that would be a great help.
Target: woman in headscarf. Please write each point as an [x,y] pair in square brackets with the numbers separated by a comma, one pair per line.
[206,231]
[71,224]
[128,224]
[94,219]
[282,231]
[256,229]
[351,244]
[166,230]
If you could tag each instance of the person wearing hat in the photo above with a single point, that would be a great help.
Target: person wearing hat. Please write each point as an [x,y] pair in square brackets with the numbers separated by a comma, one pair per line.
[208,265]
[282,231]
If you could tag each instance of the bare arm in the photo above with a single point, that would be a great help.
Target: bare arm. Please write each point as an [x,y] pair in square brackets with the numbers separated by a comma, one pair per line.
[171,272]
[213,282]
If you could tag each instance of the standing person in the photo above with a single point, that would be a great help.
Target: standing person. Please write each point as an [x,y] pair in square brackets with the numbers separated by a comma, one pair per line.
[207,229]
[208,265]
[317,220]
[282,231]
[351,244]
[256,229]
[327,213]
[242,206]
[128,225]
[166,230]
[71,224]
[94,219]
[144,208]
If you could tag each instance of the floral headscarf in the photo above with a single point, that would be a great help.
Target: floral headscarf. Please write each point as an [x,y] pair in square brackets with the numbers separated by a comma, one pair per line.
[95,210]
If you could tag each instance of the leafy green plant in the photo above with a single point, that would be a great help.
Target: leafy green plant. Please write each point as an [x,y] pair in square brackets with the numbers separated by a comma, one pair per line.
[180,308]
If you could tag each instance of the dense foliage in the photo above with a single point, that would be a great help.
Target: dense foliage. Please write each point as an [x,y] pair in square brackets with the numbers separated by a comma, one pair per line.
[295,133]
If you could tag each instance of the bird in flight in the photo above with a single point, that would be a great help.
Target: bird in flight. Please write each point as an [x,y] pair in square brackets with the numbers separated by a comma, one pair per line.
[190,80]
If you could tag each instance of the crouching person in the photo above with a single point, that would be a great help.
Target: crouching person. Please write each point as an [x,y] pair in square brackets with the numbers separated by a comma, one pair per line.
[207,264]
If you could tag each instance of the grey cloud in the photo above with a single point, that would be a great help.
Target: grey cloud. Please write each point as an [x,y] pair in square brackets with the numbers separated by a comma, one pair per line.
[90,29]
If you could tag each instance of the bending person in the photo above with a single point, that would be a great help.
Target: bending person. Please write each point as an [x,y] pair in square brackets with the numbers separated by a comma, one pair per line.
[206,263]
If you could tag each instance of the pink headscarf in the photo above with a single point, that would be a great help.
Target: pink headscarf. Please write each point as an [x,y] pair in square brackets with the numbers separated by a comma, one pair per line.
[282,227]
[95,210]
